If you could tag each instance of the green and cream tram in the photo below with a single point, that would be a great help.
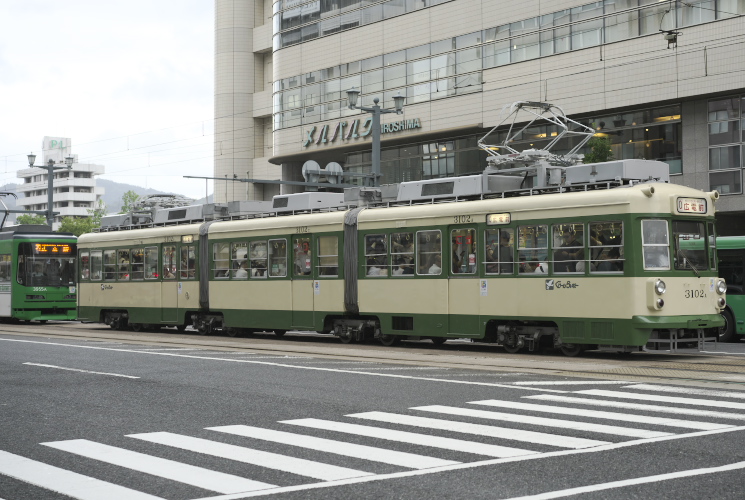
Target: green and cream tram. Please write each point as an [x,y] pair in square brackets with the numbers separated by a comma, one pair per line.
[574,269]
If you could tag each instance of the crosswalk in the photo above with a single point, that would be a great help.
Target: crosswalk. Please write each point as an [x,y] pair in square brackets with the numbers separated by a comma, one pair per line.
[355,446]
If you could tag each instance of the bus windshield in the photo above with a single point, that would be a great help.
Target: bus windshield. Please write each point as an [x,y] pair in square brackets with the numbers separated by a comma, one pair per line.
[689,238]
[46,264]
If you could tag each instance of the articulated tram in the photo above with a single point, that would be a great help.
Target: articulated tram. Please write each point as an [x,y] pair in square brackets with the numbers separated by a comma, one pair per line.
[593,264]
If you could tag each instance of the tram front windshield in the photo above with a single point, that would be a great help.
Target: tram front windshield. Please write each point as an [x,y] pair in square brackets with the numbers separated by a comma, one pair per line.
[46,264]
[690,245]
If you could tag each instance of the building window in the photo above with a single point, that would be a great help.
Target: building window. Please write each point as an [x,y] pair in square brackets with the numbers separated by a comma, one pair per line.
[726,144]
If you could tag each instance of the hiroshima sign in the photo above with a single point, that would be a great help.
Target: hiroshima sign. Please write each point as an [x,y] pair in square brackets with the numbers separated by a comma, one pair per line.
[345,131]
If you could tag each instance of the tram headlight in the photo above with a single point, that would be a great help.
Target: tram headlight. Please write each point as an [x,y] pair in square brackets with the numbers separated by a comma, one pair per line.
[660,303]
[721,287]
[721,302]
[660,287]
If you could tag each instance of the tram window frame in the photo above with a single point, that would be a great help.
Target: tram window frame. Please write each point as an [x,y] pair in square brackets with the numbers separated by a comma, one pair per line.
[403,253]
[302,257]
[137,268]
[221,248]
[328,256]
[534,262]
[457,267]
[649,249]
[606,244]
[188,262]
[6,268]
[711,232]
[238,257]
[504,256]
[169,265]
[423,267]
[258,257]
[567,249]
[84,257]
[151,263]
[96,265]
[122,262]
[376,255]
[683,257]
[109,265]
[279,259]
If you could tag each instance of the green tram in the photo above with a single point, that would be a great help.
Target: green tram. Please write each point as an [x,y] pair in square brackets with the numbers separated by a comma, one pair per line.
[37,274]
[731,252]
[575,269]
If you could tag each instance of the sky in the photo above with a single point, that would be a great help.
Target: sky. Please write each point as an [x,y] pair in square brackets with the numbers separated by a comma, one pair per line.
[131,83]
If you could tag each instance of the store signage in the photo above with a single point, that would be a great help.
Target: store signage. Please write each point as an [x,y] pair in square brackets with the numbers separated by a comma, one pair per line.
[345,131]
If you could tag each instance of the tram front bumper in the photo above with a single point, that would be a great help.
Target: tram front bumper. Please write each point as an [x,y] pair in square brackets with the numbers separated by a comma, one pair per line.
[678,322]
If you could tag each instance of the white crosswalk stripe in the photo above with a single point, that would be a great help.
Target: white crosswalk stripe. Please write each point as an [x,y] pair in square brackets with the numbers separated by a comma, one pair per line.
[161,467]
[481,430]
[274,461]
[444,443]
[545,422]
[687,390]
[664,399]
[409,460]
[605,415]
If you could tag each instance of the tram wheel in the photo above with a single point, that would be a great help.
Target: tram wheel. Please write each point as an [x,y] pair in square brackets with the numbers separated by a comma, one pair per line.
[346,339]
[512,349]
[571,350]
[43,321]
[233,332]
[180,328]
[136,327]
[438,340]
[389,340]
[727,332]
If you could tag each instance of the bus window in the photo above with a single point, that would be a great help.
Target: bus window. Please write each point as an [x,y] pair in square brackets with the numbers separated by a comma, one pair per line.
[429,252]
[109,265]
[328,256]
[239,260]
[151,263]
[258,259]
[463,251]
[122,257]
[499,248]
[376,255]
[278,258]
[85,266]
[689,240]
[532,249]
[138,263]
[169,262]
[569,248]
[606,247]
[95,265]
[302,256]
[655,244]
[187,264]
[220,260]
[5,268]
[402,254]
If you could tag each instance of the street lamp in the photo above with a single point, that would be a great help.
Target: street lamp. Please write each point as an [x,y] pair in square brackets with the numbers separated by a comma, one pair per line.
[51,167]
[376,111]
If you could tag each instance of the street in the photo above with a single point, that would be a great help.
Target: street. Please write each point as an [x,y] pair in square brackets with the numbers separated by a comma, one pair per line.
[90,413]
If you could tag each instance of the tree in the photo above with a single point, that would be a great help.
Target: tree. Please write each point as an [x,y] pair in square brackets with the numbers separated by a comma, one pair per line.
[129,201]
[82,225]
[31,219]
[599,150]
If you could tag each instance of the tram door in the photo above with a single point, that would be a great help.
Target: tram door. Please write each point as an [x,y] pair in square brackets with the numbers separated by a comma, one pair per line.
[302,282]
[463,284]
[169,285]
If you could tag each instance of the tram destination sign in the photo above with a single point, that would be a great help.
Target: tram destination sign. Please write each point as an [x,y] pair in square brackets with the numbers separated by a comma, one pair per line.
[52,248]
[691,205]
[348,130]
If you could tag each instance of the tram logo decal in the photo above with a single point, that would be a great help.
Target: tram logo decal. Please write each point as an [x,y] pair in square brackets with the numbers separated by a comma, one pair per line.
[106,287]
[549,284]
[355,131]
[552,285]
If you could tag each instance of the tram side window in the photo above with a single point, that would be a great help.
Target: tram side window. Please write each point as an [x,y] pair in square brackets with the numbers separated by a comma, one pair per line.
[402,254]
[220,260]
[96,265]
[187,265]
[376,255]
[711,231]
[532,249]
[169,262]
[655,244]
[429,252]
[463,243]
[122,257]
[499,249]
[239,260]
[109,265]
[85,266]
[328,256]
[302,256]
[689,240]
[606,247]
[278,258]
[151,263]
[569,248]
[138,263]
[5,268]
[258,259]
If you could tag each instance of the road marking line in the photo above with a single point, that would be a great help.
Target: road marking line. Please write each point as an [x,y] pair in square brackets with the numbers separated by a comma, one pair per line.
[687,390]
[266,459]
[664,399]
[576,382]
[65,482]
[545,422]
[637,406]
[161,467]
[296,367]
[444,443]
[480,430]
[608,415]
[77,370]
[402,459]
[631,482]
[473,465]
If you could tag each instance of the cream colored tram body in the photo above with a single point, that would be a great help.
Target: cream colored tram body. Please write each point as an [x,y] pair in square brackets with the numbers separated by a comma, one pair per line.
[608,268]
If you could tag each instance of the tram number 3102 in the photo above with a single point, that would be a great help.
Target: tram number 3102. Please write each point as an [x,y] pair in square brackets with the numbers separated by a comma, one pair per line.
[462,219]
[694,294]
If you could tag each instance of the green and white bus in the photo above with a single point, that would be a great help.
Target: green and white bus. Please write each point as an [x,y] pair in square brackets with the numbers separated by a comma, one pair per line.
[731,254]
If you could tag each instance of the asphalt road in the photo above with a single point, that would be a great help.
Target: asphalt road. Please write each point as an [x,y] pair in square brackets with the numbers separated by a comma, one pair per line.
[92,416]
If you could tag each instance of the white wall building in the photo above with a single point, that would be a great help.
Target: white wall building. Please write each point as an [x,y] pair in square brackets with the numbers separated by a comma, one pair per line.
[75,191]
